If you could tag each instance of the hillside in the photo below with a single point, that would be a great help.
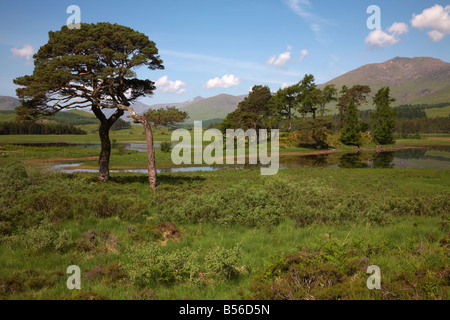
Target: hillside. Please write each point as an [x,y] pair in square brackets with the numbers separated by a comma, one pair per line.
[8,103]
[412,80]
[74,117]
[212,108]
[180,105]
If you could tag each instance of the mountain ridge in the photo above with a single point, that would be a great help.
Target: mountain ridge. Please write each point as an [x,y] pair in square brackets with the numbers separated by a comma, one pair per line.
[412,80]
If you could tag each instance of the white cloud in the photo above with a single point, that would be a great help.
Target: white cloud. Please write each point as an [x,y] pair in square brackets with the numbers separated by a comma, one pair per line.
[281,59]
[379,38]
[167,86]
[26,52]
[436,36]
[303,54]
[436,18]
[227,81]
[398,28]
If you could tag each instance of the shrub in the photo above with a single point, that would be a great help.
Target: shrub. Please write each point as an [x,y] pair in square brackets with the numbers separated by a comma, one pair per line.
[44,238]
[166,147]
[150,266]
[13,178]
[222,263]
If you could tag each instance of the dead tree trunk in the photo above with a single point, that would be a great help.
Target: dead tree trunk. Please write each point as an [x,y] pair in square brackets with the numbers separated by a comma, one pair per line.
[150,154]
[152,177]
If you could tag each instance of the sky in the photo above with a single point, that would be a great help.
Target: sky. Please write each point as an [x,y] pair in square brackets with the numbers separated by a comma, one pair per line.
[211,47]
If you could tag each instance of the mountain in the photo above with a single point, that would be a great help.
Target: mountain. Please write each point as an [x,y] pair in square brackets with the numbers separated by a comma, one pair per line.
[8,103]
[141,108]
[216,107]
[412,80]
[180,105]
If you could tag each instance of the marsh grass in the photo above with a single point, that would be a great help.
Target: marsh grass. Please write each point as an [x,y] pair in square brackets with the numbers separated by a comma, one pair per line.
[350,219]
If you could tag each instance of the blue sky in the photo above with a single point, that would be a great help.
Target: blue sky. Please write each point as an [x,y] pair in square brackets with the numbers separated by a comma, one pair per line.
[217,46]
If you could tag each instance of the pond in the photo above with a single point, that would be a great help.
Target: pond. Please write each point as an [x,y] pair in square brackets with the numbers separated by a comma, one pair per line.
[414,158]
[437,157]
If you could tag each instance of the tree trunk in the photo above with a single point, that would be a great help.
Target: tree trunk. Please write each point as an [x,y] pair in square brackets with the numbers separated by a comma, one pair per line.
[103,130]
[290,118]
[150,154]
[105,153]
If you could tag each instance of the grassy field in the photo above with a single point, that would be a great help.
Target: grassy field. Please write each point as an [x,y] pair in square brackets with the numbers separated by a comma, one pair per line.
[231,234]
[438,112]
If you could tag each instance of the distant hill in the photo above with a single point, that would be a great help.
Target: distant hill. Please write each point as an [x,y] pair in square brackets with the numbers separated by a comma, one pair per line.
[213,108]
[180,105]
[74,117]
[141,108]
[412,80]
[8,103]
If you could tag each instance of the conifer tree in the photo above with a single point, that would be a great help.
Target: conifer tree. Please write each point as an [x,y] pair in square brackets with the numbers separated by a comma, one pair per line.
[384,117]
[351,134]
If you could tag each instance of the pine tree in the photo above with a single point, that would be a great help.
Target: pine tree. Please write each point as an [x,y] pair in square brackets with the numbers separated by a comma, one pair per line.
[351,134]
[384,117]
[89,67]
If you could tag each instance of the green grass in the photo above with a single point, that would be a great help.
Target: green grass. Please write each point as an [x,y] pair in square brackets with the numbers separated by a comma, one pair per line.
[438,112]
[7,115]
[133,135]
[396,219]
[350,218]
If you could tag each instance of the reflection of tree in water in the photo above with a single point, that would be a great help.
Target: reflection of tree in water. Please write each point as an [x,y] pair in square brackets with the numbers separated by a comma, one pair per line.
[410,154]
[307,161]
[352,161]
[383,160]
[320,160]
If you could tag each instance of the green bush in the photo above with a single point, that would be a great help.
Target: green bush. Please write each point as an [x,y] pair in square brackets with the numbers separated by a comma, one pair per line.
[243,204]
[45,238]
[149,266]
[222,263]
[13,178]
[166,147]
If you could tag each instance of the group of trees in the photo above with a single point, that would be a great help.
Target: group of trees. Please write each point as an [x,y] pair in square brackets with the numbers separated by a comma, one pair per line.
[15,127]
[305,104]
[262,109]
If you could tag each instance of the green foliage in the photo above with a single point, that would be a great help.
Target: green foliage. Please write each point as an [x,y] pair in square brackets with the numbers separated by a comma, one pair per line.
[351,134]
[149,266]
[253,112]
[314,133]
[358,94]
[309,275]
[384,117]
[43,238]
[241,205]
[222,263]
[29,127]
[13,178]
[166,147]
[165,117]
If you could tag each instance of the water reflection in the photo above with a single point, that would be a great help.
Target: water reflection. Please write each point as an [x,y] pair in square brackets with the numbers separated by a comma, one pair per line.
[353,161]
[436,157]
[384,160]
[420,158]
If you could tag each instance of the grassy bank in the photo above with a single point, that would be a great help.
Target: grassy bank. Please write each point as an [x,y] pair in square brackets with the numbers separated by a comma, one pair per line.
[303,234]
